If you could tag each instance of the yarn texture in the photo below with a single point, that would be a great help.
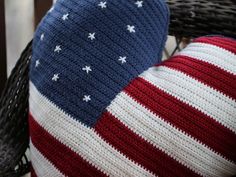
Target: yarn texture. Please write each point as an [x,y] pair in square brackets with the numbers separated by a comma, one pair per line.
[91,50]
[103,104]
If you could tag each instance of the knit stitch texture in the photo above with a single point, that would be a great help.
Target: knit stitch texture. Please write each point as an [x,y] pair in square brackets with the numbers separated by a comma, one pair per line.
[102,104]
[92,52]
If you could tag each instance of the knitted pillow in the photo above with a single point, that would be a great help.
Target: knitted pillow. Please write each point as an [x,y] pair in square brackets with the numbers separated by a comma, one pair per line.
[97,112]
[84,53]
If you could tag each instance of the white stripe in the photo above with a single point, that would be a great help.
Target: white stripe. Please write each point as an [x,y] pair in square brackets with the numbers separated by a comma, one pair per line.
[217,56]
[172,141]
[81,139]
[42,167]
[214,50]
[194,93]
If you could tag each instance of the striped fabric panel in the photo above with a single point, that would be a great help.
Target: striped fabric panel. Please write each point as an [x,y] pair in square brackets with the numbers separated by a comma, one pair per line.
[120,136]
[58,153]
[41,165]
[81,139]
[211,54]
[169,139]
[184,117]
[194,93]
[212,50]
[204,72]
[175,119]
[221,42]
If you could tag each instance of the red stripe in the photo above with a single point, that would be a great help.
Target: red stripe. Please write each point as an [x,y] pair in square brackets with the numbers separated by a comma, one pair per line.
[66,160]
[137,149]
[184,117]
[206,73]
[225,43]
[32,172]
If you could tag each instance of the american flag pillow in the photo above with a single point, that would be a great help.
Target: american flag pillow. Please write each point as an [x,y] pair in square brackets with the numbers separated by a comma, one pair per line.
[177,118]
[101,104]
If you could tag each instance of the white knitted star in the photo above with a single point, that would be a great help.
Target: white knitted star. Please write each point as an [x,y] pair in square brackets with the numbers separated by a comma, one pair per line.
[55,77]
[87,69]
[103,4]
[131,28]
[86,98]
[122,59]
[65,17]
[91,36]
[57,49]
[139,3]
[42,37]
[37,63]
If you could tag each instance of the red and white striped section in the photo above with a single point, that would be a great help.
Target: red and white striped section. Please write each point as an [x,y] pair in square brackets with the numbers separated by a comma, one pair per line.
[175,143]
[206,73]
[175,119]
[42,167]
[179,116]
[219,41]
[72,147]
[213,54]
[194,93]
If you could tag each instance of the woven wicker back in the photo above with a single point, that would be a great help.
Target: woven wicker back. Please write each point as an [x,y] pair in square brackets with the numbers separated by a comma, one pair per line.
[192,18]
[13,117]
[14,136]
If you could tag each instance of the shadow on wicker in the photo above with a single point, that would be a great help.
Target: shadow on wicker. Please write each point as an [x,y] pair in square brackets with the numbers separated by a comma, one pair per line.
[13,119]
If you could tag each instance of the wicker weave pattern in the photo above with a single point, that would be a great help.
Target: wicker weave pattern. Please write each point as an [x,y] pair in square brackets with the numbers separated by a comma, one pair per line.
[13,114]
[192,18]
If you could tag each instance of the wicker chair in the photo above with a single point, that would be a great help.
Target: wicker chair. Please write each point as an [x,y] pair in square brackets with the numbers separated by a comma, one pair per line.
[13,119]
[189,18]
[192,18]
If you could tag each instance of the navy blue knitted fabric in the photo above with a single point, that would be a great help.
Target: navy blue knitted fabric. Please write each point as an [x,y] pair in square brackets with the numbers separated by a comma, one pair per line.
[85,51]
